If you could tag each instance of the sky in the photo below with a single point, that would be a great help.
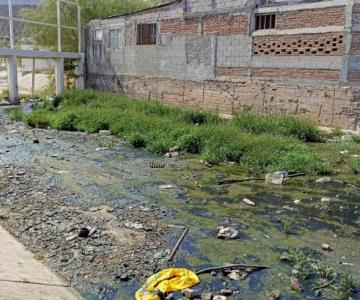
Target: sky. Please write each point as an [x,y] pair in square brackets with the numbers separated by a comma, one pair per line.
[25,2]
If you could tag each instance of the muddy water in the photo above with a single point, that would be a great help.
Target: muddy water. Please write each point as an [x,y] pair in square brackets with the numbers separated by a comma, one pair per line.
[119,174]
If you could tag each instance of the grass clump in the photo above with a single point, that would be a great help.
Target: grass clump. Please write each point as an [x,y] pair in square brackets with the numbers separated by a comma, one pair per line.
[355,165]
[258,143]
[293,126]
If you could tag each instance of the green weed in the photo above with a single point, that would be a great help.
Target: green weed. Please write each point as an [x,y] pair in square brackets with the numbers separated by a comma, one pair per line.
[258,143]
[293,126]
[355,165]
[289,225]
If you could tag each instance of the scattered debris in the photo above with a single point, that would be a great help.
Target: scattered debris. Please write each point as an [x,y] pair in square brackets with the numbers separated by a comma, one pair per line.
[101,149]
[295,284]
[220,297]
[190,293]
[326,247]
[172,154]
[297,202]
[317,288]
[178,243]
[36,141]
[249,202]
[231,181]
[227,233]
[84,232]
[166,186]
[274,295]
[323,180]
[247,268]
[325,200]
[226,292]
[206,296]
[157,165]
[277,177]
[105,132]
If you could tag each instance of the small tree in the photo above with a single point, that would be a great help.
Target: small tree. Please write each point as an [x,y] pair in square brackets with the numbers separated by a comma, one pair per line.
[46,36]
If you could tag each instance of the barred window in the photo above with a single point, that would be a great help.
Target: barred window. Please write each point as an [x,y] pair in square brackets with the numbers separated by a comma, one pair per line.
[146,34]
[265,21]
[116,37]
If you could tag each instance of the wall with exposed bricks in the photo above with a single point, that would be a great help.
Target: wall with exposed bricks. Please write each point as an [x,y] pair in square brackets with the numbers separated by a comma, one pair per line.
[329,105]
[330,16]
[208,54]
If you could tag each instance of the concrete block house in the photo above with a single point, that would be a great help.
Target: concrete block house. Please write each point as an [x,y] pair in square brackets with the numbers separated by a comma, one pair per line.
[272,56]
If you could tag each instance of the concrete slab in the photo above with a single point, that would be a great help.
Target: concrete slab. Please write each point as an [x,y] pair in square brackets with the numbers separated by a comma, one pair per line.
[23,277]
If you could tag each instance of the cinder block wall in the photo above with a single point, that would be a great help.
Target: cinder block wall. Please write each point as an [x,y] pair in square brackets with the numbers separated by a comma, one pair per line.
[208,54]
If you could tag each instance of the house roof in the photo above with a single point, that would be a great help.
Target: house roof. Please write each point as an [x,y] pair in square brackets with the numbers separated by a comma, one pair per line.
[144,10]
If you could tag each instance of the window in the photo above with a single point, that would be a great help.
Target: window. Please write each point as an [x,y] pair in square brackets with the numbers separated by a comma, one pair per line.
[98,34]
[116,37]
[267,21]
[146,34]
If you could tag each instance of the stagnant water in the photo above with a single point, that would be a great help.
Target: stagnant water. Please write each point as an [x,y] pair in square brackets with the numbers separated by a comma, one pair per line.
[196,201]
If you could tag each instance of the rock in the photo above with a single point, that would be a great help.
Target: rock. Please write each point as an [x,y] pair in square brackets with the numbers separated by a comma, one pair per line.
[323,180]
[325,200]
[234,275]
[172,154]
[213,273]
[166,186]
[84,232]
[123,277]
[206,296]
[274,295]
[21,172]
[227,233]
[105,132]
[295,285]
[72,237]
[190,293]
[226,292]
[297,202]
[326,247]
[249,202]
[92,231]
[220,297]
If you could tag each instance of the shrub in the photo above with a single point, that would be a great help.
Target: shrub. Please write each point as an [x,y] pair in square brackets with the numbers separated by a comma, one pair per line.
[66,121]
[284,125]
[137,140]
[192,142]
[39,118]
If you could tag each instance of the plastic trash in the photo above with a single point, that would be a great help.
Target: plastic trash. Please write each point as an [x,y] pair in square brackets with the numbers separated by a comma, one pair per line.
[167,281]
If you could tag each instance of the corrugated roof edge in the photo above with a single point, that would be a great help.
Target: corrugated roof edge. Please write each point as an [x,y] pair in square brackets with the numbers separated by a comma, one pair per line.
[143,10]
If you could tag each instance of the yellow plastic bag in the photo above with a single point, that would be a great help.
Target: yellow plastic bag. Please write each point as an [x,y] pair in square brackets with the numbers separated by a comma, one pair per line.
[166,281]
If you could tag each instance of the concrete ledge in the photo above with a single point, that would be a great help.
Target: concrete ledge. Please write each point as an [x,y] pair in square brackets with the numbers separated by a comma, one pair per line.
[309,30]
[22,277]
[5,52]
[298,62]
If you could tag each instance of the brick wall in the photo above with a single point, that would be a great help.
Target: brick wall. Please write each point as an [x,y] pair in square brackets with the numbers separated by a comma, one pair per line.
[330,16]
[231,72]
[330,105]
[225,24]
[330,44]
[180,26]
[296,74]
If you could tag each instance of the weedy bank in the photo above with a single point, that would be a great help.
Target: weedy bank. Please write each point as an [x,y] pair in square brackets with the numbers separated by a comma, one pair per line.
[257,143]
